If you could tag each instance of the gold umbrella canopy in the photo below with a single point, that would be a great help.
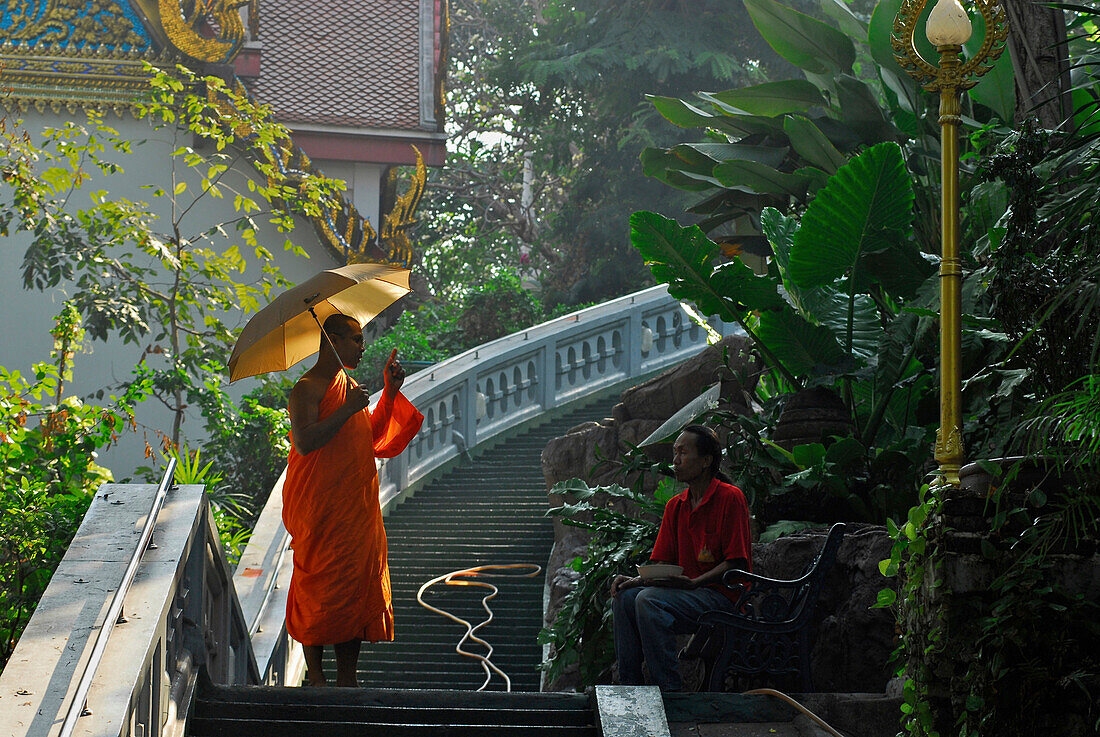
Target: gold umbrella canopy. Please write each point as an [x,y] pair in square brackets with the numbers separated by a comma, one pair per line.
[284,333]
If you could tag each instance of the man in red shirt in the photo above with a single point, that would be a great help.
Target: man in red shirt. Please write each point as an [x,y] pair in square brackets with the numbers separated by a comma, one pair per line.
[705,529]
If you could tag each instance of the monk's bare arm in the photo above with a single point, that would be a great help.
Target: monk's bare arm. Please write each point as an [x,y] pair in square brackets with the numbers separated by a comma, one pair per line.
[307,431]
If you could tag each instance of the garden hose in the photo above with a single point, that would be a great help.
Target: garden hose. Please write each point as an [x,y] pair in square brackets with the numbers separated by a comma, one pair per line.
[450,580]
[784,697]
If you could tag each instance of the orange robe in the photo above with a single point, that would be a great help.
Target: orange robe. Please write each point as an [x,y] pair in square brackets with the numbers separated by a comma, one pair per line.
[340,589]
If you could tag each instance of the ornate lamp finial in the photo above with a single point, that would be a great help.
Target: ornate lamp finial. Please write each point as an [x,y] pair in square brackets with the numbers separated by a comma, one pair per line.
[948,24]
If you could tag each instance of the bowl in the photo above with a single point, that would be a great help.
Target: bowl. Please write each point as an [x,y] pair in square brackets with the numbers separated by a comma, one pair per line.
[654,571]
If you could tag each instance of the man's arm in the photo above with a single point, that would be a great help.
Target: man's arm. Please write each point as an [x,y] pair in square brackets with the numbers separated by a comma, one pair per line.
[621,581]
[714,575]
[306,430]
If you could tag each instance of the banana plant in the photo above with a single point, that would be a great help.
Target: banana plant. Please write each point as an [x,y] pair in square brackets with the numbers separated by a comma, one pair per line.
[831,301]
[776,143]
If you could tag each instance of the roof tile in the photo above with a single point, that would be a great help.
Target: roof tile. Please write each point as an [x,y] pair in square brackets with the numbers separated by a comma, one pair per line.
[348,63]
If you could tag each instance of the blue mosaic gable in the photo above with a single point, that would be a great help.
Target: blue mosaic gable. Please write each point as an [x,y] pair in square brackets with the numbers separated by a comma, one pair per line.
[74,24]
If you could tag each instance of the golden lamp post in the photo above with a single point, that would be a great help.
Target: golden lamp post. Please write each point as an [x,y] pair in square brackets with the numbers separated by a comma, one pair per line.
[948,28]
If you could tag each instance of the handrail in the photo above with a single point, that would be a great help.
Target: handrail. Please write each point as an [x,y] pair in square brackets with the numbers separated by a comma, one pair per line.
[80,696]
[273,580]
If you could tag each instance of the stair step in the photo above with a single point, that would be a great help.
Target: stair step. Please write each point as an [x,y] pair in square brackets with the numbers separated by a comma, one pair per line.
[394,714]
[457,728]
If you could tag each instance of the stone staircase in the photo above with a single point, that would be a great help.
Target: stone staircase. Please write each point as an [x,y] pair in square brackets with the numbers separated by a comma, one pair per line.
[488,511]
[255,711]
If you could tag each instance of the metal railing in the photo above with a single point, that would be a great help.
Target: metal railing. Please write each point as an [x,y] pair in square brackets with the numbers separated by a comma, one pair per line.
[475,398]
[78,707]
[179,613]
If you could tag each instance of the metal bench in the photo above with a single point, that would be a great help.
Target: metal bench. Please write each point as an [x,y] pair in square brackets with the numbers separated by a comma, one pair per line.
[768,629]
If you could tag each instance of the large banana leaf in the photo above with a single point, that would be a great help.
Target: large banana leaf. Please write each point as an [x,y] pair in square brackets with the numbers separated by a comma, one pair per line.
[701,158]
[862,112]
[762,179]
[670,166]
[682,258]
[846,20]
[867,207]
[773,98]
[803,41]
[812,145]
[802,347]
[685,115]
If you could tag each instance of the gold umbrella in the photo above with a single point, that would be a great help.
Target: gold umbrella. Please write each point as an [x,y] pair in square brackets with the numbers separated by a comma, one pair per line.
[289,329]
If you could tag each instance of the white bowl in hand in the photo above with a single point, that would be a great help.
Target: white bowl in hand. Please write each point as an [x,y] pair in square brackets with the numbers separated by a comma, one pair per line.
[657,571]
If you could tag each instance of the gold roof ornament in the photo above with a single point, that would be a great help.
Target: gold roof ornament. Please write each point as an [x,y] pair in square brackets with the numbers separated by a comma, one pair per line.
[395,240]
[185,20]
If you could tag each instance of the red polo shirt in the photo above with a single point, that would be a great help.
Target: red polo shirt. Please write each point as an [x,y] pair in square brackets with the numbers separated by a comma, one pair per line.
[699,539]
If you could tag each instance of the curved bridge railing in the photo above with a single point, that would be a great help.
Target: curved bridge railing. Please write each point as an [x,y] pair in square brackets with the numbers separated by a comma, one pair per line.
[474,397]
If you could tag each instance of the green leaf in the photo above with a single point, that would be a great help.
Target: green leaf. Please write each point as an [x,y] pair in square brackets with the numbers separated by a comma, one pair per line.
[831,308]
[845,451]
[680,113]
[682,258]
[808,455]
[803,41]
[773,98]
[885,598]
[845,19]
[737,281]
[861,111]
[812,145]
[799,345]
[760,178]
[996,89]
[866,207]
[719,152]
[780,231]
[180,188]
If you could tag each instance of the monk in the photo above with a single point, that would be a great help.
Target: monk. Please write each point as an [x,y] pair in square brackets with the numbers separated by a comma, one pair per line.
[340,590]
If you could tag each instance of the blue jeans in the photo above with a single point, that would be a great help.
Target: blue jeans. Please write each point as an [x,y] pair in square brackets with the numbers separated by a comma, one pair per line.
[647,620]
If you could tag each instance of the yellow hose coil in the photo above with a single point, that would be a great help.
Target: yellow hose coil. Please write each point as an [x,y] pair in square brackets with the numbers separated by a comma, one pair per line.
[452,579]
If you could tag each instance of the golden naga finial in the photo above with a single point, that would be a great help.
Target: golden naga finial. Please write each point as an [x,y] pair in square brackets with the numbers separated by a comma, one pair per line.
[396,225]
[182,20]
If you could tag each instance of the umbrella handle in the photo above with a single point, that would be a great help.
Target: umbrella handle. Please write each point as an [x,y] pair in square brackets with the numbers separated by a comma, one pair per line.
[329,341]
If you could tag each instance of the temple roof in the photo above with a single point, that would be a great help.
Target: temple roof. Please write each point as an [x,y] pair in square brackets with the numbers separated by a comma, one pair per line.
[348,63]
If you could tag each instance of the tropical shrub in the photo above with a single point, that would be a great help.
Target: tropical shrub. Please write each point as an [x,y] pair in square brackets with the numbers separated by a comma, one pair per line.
[48,471]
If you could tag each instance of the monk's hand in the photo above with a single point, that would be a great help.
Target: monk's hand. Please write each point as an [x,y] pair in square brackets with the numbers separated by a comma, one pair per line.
[393,374]
[621,582]
[358,398]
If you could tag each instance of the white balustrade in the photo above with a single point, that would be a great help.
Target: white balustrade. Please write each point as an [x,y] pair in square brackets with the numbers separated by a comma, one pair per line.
[488,390]
[181,613]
